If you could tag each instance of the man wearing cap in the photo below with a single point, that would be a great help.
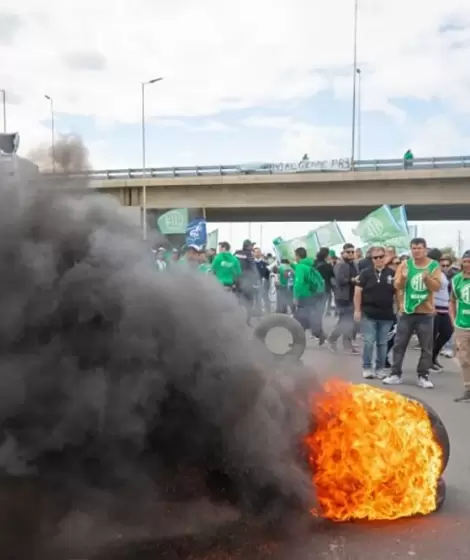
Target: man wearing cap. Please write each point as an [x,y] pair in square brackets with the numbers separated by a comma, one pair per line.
[193,254]
[460,315]
[160,261]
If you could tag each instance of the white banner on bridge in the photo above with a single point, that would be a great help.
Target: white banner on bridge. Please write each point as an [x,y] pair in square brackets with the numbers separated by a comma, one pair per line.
[341,164]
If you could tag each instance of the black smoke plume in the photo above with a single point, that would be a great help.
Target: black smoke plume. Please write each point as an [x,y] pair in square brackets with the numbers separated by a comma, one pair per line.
[133,403]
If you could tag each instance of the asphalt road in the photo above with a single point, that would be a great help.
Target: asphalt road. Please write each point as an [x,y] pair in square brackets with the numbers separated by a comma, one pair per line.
[445,534]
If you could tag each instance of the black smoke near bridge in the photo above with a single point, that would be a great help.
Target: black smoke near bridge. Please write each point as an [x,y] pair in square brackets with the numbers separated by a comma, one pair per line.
[132,403]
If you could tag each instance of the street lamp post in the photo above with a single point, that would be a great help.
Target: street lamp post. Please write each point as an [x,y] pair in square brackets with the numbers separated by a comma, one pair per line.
[4,104]
[359,113]
[144,163]
[51,102]
[353,132]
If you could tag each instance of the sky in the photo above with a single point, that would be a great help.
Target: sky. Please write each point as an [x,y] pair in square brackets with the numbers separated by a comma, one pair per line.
[245,81]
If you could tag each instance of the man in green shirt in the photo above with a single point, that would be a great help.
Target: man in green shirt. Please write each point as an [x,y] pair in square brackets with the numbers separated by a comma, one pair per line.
[460,314]
[204,266]
[408,158]
[309,289]
[226,267]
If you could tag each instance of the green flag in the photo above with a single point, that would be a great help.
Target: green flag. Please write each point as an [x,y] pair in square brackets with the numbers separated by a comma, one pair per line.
[329,235]
[399,213]
[312,244]
[212,239]
[173,222]
[401,243]
[281,248]
[378,227]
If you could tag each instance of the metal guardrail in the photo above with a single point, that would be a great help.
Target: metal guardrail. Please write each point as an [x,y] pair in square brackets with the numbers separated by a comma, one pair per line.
[273,168]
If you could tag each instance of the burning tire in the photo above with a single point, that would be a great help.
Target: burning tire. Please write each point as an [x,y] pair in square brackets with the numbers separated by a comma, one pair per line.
[278,320]
[441,494]
[440,431]
[375,454]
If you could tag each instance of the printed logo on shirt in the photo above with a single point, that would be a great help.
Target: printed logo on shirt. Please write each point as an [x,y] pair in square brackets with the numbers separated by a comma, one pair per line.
[465,294]
[417,283]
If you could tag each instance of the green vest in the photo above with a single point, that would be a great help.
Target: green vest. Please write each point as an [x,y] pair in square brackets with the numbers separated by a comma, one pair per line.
[416,292]
[461,291]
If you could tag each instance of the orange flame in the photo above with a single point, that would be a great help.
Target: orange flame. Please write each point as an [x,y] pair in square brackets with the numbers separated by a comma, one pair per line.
[373,454]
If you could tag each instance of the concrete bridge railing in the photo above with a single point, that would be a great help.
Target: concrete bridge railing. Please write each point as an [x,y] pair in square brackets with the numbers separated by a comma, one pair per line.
[339,165]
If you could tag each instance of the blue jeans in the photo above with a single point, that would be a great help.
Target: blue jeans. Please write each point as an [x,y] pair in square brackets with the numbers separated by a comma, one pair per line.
[375,333]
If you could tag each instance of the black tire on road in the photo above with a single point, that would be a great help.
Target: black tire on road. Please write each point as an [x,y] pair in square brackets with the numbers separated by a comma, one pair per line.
[279,320]
[440,431]
[441,494]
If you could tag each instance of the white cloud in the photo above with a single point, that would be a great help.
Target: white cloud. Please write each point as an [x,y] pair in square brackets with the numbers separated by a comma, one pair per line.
[268,122]
[92,56]
[297,138]
[213,126]
[168,123]
[319,142]
[438,135]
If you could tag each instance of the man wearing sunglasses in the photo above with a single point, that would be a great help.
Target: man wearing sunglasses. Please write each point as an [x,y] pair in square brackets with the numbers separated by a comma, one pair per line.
[373,308]
[346,275]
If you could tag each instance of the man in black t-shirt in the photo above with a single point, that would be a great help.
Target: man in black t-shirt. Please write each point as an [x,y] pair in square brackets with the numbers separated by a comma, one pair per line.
[374,299]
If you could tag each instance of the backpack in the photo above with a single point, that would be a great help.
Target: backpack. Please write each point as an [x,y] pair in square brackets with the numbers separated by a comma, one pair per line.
[316,281]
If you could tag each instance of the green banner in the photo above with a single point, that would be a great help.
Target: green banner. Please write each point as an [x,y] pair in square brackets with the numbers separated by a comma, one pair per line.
[285,249]
[329,235]
[173,222]
[378,227]
[312,244]
[399,213]
[213,240]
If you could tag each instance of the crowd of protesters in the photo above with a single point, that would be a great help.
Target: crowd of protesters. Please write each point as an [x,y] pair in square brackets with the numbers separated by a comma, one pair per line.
[384,297]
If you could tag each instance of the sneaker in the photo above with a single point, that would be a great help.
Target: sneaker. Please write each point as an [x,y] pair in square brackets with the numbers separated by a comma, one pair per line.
[465,398]
[424,382]
[381,374]
[353,351]
[368,373]
[436,367]
[447,353]
[392,380]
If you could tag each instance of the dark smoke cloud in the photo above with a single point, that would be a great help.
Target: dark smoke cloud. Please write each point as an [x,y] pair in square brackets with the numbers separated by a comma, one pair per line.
[131,401]
[70,155]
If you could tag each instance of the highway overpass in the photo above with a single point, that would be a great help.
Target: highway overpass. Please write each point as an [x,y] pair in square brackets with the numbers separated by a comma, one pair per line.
[431,189]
